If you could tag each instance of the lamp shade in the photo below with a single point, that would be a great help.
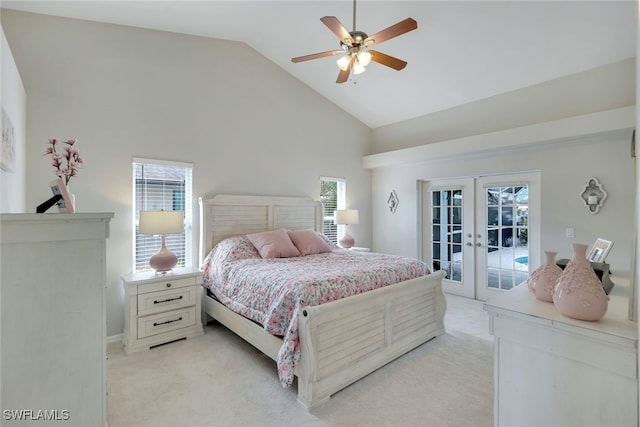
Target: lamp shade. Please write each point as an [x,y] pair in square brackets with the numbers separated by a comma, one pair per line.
[346,216]
[161,222]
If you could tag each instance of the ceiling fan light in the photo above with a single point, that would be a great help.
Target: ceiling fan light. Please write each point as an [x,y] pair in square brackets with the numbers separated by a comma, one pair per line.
[343,63]
[364,58]
[358,68]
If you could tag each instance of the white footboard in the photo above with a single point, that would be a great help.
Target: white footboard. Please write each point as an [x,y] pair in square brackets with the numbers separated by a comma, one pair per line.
[344,340]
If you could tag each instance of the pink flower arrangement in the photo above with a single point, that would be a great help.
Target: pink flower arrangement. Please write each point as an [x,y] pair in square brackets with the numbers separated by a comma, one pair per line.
[66,164]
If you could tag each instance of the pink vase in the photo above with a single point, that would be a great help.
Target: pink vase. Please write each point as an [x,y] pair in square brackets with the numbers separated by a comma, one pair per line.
[543,280]
[579,293]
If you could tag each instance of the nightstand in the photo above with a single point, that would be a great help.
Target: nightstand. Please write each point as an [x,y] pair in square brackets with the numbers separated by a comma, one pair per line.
[161,308]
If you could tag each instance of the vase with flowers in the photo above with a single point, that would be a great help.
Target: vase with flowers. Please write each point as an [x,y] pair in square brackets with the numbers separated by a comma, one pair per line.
[65,159]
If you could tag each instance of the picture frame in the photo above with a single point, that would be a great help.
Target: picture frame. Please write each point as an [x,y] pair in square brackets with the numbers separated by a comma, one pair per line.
[599,250]
[58,188]
[8,144]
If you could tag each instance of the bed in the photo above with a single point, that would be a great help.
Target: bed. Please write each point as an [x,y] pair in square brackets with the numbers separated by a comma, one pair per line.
[338,342]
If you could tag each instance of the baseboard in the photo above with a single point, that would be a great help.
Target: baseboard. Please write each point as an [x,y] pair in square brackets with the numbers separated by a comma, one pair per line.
[114,338]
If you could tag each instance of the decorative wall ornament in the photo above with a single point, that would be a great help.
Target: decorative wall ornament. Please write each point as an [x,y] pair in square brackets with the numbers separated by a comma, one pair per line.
[593,195]
[393,201]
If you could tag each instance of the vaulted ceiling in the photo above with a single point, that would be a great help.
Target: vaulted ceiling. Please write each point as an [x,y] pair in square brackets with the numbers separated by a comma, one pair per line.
[461,52]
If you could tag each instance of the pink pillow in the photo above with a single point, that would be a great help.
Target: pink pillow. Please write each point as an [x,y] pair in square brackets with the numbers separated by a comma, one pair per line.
[308,242]
[273,244]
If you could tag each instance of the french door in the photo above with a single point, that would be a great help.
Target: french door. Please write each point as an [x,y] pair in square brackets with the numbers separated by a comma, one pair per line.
[482,231]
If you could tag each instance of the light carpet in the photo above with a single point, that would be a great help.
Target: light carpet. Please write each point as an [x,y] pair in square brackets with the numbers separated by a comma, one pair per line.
[220,380]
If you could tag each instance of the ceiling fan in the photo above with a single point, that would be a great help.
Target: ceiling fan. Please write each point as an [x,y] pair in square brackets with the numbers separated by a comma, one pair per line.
[355,45]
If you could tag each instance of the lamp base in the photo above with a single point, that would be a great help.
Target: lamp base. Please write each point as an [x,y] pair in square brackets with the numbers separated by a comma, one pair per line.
[163,261]
[347,241]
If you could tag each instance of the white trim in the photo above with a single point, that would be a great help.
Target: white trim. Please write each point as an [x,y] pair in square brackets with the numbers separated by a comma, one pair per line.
[162,162]
[332,178]
[114,338]
[525,136]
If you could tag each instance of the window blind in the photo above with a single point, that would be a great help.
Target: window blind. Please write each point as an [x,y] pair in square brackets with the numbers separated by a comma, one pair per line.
[162,185]
[333,196]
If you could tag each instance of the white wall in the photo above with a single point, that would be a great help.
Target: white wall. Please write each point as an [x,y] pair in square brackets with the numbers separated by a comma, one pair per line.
[564,169]
[636,276]
[249,127]
[14,103]
[599,89]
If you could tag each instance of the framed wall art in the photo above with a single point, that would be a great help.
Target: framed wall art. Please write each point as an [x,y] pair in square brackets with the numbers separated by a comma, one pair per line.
[599,250]
[58,188]
[8,147]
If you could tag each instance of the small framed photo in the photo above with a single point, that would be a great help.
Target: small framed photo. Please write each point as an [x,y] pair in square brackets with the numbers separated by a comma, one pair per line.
[599,250]
[64,204]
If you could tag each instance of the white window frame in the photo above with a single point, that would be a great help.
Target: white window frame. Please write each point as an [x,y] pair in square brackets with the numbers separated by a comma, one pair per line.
[341,202]
[139,266]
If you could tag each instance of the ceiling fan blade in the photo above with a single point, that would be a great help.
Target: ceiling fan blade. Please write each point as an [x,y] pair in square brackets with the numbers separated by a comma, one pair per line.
[389,61]
[343,76]
[395,30]
[338,29]
[316,55]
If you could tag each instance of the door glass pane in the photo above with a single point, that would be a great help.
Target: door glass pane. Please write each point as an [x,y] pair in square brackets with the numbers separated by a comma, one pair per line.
[446,229]
[457,215]
[506,196]
[507,216]
[492,216]
[457,197]
[436,215]
[435,198]
[436,233]
[507,231]
[493,196]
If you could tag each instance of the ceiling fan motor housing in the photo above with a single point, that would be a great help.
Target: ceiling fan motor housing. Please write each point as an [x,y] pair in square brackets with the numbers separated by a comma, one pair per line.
[358,37]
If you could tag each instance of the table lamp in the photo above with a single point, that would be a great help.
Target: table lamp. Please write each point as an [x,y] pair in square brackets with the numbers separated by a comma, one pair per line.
[346,217]
[163,223]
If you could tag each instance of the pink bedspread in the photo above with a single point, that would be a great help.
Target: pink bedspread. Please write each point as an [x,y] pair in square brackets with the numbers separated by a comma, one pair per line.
[272,292]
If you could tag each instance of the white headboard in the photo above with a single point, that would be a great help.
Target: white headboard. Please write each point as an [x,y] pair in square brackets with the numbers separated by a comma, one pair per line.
[229,215]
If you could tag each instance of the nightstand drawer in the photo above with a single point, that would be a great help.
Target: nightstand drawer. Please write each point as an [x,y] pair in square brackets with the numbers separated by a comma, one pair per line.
[165,322]
[164,285]
[156,302]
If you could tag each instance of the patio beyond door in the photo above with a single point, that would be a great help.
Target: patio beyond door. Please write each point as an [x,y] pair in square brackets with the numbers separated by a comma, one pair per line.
[480,232]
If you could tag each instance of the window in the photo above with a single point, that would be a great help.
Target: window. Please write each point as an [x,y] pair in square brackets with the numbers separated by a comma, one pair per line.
[162,185]
[332,195]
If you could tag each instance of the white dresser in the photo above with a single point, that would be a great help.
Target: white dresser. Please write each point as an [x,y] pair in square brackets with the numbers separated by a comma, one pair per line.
[550,370]
[53,356]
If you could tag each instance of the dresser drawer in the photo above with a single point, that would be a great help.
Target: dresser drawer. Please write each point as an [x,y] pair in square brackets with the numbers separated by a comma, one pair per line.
[165,322]
[163,285]
[156,302]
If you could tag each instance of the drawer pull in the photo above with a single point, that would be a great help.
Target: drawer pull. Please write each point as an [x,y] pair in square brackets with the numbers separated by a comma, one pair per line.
[168,285]
[167,300]
[167,322]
